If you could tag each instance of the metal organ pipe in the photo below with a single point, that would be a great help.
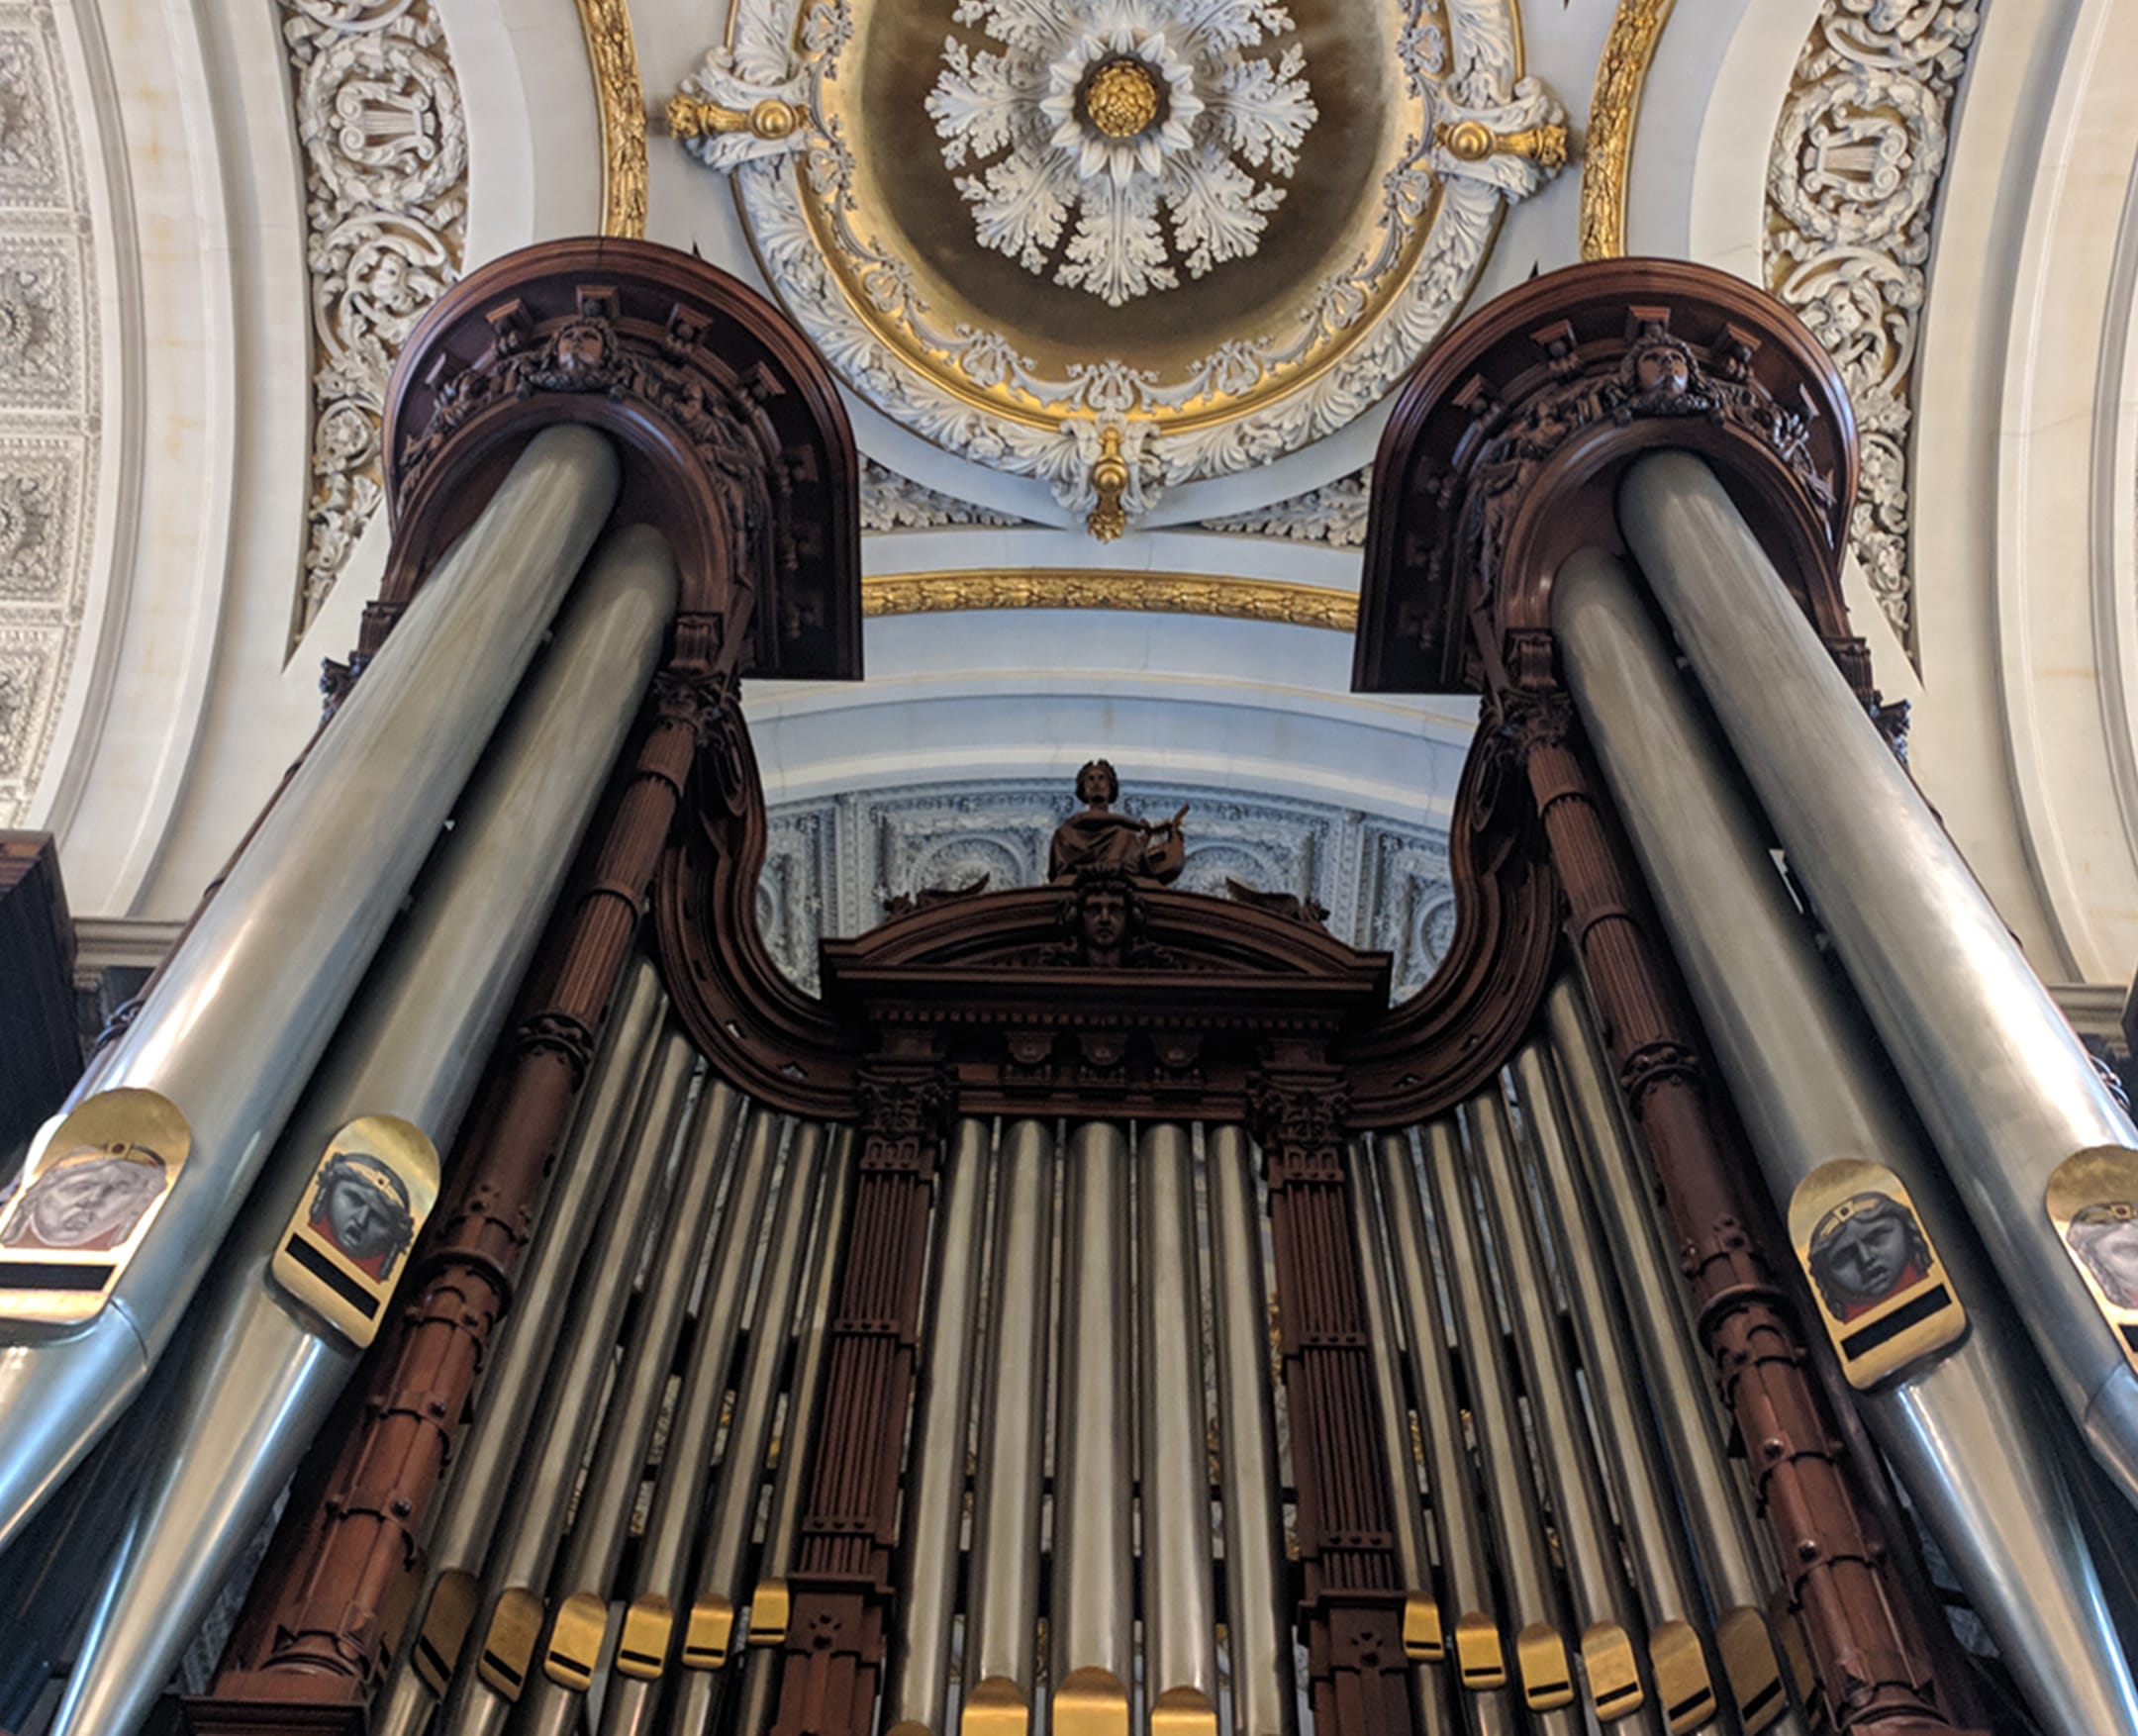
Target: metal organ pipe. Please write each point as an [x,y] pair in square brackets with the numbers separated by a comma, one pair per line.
[672,1519]
[506,1404]
[1002,1606]
[917,1684]
[506,1634]
[1258,1615]
[246,1006]
[268,1366]
[1090,1635]
[1180,1623]
[1663,1570]
[1952,1416]
[1423,1641]
[2004,1089]
[734,1516]
[1468,1617]
[1588,1547]
[1740,1586]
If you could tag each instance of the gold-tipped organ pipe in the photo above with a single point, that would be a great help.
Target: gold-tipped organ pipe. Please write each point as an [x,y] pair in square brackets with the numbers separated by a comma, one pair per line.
[502,1656]
[284,1322]
[1250,1474]
[1180,1619]
[1948,1399]
[245,1009]
[1679,1668]
[1587,1544]
[1475,1652]
[1543,1669]
[797,1433]
[916,1684]
[1688,1415]
[1001,1657]
[1092,1602]
[506,1403]
[734,1516]
[657,1614]
[1425,1642]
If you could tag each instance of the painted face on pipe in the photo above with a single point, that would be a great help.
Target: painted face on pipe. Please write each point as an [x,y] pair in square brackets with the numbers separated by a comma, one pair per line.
[362,1207]
[1866,1249]
[2105,1238]
[90,1199]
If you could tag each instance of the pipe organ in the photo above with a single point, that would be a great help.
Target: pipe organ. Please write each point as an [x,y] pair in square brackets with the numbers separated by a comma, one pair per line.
[1100,1309]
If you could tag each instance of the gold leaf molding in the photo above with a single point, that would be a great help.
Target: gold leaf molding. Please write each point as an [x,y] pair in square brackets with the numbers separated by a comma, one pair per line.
[613,57]
[1270,600]
[1628,52]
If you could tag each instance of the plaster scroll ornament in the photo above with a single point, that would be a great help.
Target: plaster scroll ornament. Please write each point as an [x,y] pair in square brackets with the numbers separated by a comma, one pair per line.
[955,199]
[1852,187]
[891,501]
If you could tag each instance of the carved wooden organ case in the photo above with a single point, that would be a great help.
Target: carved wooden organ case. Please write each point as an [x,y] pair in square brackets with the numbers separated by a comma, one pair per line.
[1136,1323]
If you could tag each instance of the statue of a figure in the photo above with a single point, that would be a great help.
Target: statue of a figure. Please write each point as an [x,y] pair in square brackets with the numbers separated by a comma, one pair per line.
[1099,837]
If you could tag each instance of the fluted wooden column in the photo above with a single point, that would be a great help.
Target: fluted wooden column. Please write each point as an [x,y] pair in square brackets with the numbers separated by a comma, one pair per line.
[833,1655]
[322,1638]
[1873,1670]
[1352,1601]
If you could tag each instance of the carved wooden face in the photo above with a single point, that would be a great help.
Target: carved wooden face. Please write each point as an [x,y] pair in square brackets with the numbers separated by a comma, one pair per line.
[1105,918]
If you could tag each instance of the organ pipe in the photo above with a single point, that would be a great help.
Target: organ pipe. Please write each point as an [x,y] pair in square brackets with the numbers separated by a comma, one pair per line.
[221,1049]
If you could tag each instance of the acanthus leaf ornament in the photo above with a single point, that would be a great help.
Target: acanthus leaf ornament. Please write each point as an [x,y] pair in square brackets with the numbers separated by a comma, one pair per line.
[897,321]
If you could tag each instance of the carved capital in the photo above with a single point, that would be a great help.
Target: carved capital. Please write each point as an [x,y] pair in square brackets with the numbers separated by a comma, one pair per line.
[906,1106]
[338,680]
[1306,1111]
[1532,719]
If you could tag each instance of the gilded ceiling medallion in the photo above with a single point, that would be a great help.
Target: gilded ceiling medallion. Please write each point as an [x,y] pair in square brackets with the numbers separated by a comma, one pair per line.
[1287,202]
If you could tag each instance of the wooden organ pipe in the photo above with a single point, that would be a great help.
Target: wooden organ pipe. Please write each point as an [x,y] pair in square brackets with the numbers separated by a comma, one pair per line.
[581,1589]
[1422,1642]
[796,1445]
[1265,1701]
[732,1518]
[1472,1641]
[1641,1480]
[504,1640]
[916,1684]
[1002,1658]
[1179,1624]
[506,1405]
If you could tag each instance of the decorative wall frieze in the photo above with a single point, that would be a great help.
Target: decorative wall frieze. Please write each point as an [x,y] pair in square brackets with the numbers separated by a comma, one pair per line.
[834,864]
[51,410]
[1636,33]
[1852,188]
[1278,600]
[1111,419]
[620,98]
[891,501]
[1333,514]
[384,137]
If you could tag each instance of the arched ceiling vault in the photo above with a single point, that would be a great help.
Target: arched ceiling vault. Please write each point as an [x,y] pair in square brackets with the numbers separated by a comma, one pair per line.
[273,193]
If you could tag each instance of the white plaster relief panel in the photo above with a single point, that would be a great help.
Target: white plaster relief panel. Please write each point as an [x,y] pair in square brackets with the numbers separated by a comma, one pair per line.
[832,864]
[49,390]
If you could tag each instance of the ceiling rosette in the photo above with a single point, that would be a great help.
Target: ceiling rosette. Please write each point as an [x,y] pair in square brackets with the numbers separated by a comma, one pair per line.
[1128,244]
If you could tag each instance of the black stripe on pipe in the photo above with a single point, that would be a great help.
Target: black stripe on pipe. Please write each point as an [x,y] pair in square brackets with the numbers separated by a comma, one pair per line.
[331,1275]
[52,1275]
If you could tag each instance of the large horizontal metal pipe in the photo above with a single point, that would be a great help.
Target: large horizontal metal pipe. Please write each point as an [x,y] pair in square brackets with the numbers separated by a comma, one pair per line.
[502,1652]
[1953,1418]
[1425,1642]
[1472,1643]
[723,1559]
[578,1634]
[507,1403]
[916,1684]
[1602,1602]
[1091,1606]
[1180,1611]
[2003,1086]
[1679,1668]
[1740,1586]
[1543,1671]
[1250,1475]
[268,1367]
[797,1441]
[658,1590]
[245,1007]
[1001,1606]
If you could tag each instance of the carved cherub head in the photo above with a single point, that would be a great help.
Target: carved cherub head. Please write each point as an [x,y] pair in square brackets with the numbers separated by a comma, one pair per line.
[1660,365]
[1105,915]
